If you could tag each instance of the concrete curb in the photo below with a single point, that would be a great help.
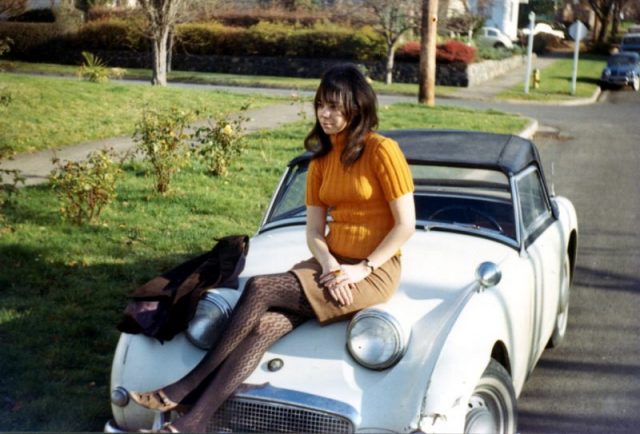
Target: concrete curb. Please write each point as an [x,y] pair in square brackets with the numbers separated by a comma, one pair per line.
[574,102]
[530,130]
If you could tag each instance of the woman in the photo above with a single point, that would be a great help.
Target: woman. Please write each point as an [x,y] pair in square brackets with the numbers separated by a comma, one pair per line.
[362,179]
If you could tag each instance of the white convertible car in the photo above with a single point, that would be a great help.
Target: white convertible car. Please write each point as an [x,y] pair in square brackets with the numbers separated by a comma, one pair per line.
[485,289]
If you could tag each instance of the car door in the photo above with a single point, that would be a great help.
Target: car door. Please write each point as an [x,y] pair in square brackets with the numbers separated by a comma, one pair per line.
[543,251]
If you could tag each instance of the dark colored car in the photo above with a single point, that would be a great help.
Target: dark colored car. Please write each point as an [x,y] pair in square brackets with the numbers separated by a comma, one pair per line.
[630,42]
[623,69]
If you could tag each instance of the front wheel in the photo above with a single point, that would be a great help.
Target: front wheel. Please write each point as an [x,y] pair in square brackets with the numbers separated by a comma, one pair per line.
[492,406]
[562,317]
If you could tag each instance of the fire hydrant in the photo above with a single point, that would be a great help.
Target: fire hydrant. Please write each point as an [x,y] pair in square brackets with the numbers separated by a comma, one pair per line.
[536,78]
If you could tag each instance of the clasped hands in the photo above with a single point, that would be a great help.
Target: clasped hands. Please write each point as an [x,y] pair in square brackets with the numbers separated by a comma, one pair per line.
[340,281]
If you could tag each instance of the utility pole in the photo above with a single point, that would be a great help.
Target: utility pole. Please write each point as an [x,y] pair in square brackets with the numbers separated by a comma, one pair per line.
[428,35]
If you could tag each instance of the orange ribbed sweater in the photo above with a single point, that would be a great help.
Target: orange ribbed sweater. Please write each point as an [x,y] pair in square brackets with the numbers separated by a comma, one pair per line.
[357,197]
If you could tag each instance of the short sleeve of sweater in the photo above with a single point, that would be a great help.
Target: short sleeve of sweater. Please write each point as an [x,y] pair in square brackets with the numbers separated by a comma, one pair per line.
[314,181]
[393,171]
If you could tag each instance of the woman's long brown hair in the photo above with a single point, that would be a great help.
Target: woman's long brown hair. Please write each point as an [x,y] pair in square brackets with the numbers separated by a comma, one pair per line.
[345,84]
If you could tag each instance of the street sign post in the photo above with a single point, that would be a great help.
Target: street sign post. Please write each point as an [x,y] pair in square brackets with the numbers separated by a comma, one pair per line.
[532,21]
[577,31]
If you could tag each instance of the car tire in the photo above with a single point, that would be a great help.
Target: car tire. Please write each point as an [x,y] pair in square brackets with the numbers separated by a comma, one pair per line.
[562,318]
[499,46]
[493,405]
[635,84]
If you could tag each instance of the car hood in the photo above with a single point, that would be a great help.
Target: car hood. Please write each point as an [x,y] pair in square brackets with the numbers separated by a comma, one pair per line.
[438,272]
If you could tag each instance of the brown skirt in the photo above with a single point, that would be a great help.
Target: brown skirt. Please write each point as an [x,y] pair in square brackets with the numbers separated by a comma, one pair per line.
[376,288]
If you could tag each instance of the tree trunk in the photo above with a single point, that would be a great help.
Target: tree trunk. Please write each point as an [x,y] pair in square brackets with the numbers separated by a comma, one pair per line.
[391,51]
[428,33]
[170,40]
[604,24]
[160,60]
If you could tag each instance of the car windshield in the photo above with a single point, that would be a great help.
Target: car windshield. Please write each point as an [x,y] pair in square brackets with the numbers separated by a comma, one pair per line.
[622,60]
[631,40]
[445,198]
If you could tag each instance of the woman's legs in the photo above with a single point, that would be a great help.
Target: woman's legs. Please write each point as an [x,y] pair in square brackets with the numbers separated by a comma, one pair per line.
[237,367]
[261,293]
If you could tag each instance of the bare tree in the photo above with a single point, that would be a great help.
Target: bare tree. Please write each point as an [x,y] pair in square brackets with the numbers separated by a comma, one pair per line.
[162,15]
[618,8]
[428,35]
[393,19]
[602,9]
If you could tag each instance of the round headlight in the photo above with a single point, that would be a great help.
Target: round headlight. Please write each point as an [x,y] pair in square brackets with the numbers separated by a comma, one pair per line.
[606,72]
[210,319]
[375,339]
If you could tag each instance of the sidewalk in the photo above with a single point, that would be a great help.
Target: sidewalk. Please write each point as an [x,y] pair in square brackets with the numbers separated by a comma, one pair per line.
[36,167]
[490,88]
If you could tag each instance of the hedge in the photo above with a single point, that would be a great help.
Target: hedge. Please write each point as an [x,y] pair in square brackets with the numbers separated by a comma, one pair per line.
[43,42]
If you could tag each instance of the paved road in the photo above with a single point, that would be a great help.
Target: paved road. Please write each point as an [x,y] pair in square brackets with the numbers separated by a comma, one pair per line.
[591,384]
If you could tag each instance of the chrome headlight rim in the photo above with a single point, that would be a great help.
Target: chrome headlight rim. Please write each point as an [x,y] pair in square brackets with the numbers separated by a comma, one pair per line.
[209,300]
[401,338]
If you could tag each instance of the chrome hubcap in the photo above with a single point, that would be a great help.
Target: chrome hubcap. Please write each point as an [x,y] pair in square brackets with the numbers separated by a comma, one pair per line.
[480,419]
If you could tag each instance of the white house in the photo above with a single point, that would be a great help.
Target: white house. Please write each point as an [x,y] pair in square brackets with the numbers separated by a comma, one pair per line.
[502,14]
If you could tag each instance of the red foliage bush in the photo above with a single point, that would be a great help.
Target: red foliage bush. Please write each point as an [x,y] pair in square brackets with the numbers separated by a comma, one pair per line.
[409,51]
[455,51]
[449,52]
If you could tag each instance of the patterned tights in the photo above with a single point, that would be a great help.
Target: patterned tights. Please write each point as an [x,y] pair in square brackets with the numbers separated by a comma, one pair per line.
[269,308]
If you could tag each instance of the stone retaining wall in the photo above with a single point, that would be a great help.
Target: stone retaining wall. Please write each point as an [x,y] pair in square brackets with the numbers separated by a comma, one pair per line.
[453,74]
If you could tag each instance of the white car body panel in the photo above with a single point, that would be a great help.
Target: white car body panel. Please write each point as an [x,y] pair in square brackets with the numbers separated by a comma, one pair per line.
[438,275]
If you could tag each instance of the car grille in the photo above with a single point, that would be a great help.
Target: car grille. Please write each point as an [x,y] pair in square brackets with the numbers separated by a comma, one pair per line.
[251,415]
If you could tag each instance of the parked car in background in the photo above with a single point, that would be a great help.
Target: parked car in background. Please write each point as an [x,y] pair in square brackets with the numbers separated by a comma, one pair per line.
[623,69]
[630,42]
[493,37]
[484,290]
[543,28]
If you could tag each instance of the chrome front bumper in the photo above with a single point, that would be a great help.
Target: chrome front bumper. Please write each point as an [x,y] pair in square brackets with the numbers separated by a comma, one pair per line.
[264,408]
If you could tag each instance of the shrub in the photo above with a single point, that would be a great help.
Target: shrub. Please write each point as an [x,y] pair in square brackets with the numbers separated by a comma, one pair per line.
[115,34]
[409,51]
[93,69]
[35,16]
[210,38]
[277,39]
[219,143]
[5,45]
[544,42]
[8,190]
[85,187]
[33,41]
[161,139]
[491,53]
[451,51]
[454,52]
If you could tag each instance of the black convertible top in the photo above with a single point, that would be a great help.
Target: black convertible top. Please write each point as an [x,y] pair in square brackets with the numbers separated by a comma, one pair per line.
[504,152]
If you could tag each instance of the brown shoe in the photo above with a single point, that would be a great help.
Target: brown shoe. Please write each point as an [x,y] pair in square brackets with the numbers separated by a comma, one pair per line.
[155,400]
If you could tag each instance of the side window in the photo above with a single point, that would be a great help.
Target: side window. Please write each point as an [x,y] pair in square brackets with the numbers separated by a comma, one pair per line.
[533,204]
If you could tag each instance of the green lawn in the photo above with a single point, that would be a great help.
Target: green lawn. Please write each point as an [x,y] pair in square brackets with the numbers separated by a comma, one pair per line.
[555,83]
[50,112]
[62,288]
